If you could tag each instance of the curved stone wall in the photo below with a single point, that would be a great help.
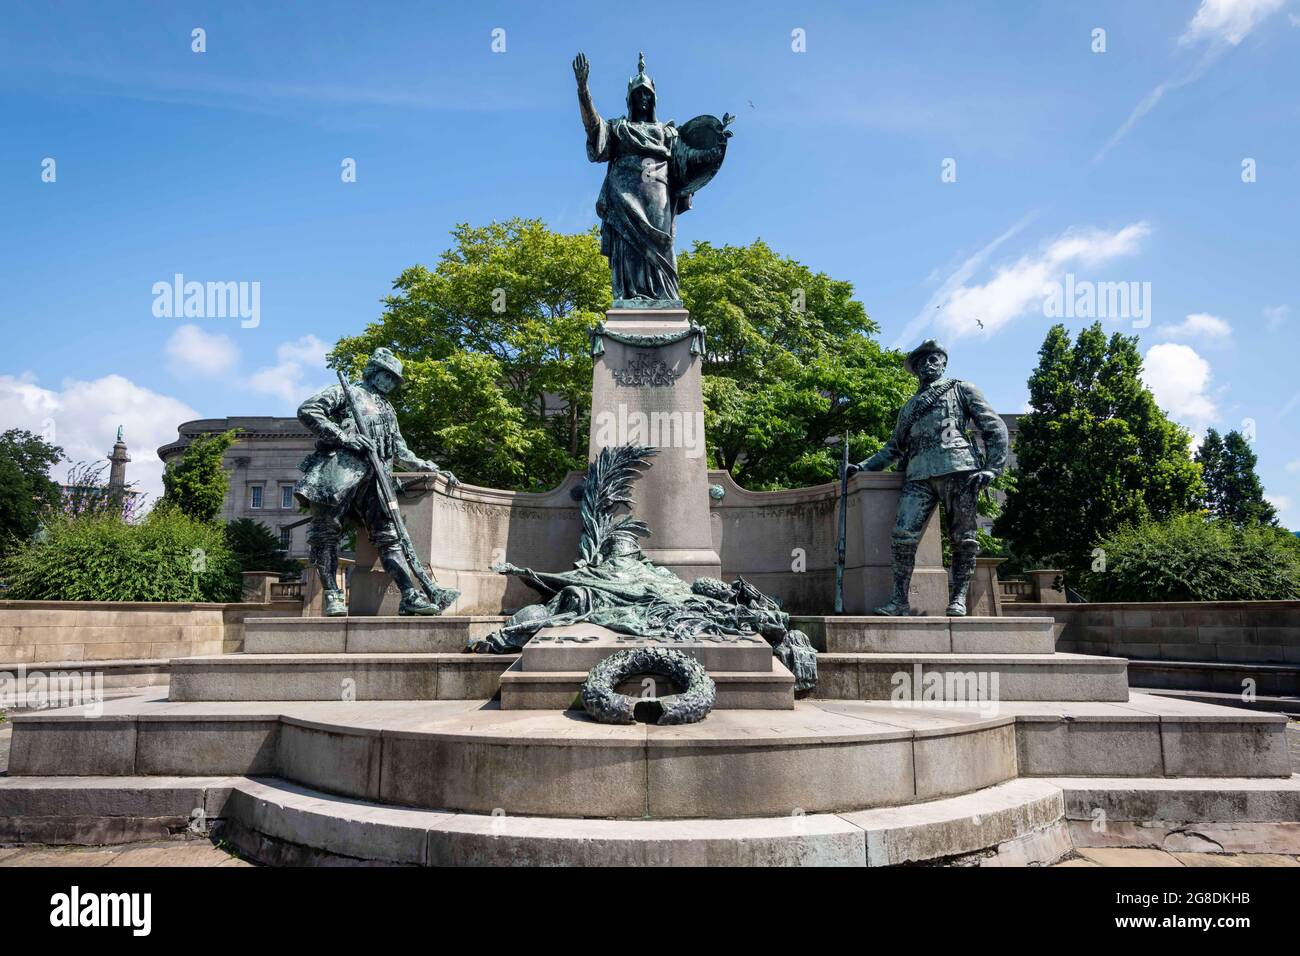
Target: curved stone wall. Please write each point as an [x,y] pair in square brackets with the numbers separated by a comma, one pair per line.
[781,541]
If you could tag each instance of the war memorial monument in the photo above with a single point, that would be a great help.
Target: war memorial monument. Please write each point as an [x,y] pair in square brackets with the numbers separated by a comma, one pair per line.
[629,669]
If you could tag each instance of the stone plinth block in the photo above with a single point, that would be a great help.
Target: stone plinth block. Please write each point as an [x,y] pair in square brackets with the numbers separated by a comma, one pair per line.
[650,394]
[580,647]
[362,634]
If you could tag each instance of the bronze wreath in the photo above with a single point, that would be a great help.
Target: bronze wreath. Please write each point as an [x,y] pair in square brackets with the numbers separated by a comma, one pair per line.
[607,706]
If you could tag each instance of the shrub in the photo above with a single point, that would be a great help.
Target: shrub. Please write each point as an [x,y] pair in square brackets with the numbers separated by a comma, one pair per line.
[166,557]
[256,548]
[1190,558]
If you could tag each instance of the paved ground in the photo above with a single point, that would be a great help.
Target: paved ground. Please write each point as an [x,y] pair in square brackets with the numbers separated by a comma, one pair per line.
[154,853]
[200,853]
[1114,856]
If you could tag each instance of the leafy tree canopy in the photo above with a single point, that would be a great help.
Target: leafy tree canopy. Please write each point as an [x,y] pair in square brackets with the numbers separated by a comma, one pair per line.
[495,341]
[1094,454]
[26,489]
[1233,490]
[257,548]
[196,483]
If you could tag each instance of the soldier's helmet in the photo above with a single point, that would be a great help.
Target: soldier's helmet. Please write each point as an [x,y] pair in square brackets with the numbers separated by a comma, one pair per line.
[922,350]
[641,81]
[383,358]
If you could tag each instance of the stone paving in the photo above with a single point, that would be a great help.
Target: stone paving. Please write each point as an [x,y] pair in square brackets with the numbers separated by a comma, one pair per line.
[201,853]
[153,853]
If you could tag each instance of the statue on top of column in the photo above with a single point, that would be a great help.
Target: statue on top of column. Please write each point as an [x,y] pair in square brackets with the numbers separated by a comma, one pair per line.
[653,171]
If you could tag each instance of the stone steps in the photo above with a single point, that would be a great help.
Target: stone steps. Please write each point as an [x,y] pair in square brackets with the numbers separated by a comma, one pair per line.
[460,676]
[331,677]
[927,635]
[822,756]
[394,634]
[736,690]
[1019,822]
[279,822]
[474,757]
[971,677]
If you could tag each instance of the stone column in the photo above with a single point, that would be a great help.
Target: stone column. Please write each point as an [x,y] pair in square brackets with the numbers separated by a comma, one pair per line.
[647,393]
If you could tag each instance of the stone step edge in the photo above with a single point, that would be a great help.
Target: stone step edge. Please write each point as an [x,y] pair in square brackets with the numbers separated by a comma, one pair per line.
[1027,660]
[577,678]
[1023,814]
[362,831]
[360,657]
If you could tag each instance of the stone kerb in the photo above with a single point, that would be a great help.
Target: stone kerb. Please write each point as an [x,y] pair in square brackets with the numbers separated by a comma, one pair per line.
[1261,632]
[38,631]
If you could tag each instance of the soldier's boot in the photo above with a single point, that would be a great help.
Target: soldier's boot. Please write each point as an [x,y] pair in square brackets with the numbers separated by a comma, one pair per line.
[903,561]
[327,568]
[963,569]
[413,599]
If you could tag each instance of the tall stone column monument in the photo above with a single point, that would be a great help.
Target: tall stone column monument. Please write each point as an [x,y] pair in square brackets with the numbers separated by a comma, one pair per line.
[645,390]
[648,355]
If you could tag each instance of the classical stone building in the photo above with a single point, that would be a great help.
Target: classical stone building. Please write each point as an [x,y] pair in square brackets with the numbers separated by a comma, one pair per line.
[263,466]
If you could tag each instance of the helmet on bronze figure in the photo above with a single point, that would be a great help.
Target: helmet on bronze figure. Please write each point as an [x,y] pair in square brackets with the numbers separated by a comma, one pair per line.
[641,81]
[922,350]
[382,358]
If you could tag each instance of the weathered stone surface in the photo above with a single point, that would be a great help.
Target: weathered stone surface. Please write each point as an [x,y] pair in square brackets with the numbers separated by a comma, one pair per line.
[959,825]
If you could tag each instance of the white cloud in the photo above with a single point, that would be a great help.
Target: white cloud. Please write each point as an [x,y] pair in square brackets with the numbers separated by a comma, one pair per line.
[299,370]
[1229,21]
[1293,466]
[1015,288]
[191,351]
[1225,23]
[1179,378]
[1197,325]
[1283,505]
[921,321]
[82,417]
[1276,316]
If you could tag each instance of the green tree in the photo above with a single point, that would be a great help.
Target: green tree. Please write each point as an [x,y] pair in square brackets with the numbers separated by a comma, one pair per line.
[196,483]
[1190,558]
[257,548]
[1094,454]
[1233,490]
[791,363]
[495,340]
[496,337]
[168,556]
[26,489]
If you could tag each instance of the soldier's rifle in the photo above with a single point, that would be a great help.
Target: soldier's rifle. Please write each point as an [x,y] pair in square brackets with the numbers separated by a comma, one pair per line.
[386,489]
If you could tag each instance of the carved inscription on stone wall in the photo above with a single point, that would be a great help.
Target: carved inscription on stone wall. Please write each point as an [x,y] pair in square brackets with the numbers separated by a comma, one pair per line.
[643,370]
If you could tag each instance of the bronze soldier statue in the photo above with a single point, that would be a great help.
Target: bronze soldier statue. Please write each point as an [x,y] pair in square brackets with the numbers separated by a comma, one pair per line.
[340,483]
[941,464]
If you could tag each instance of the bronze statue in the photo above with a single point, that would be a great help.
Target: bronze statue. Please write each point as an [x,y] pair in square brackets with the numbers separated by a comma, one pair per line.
[614,585]
[941,464]
[348,477]
[654,170]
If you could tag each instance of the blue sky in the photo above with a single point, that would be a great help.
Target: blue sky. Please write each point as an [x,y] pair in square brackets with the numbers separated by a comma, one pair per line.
[1127,165]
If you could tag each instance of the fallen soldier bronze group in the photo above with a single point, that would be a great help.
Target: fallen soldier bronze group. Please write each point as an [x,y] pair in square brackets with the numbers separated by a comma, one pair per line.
[614,585]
